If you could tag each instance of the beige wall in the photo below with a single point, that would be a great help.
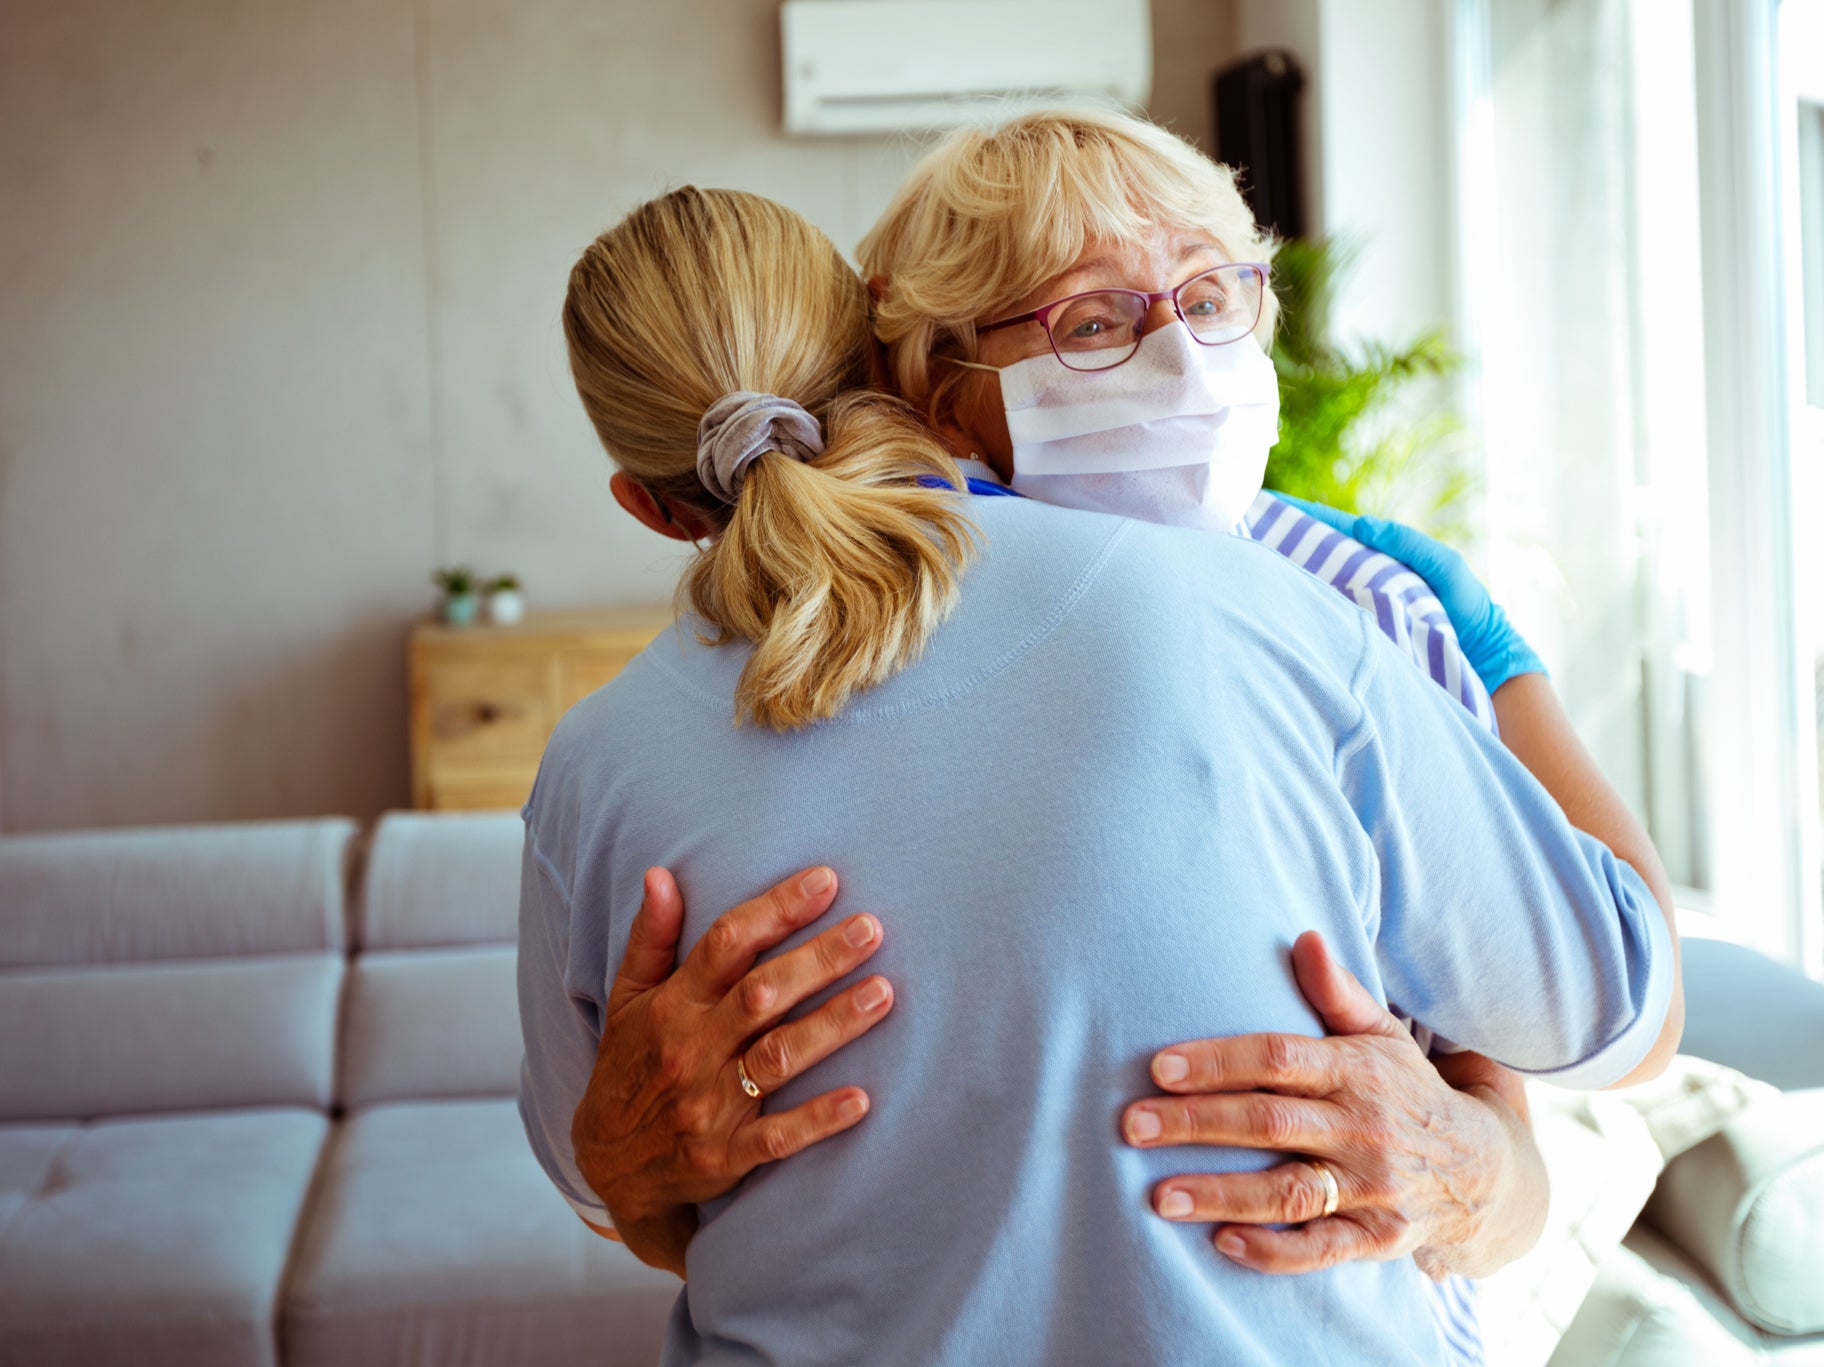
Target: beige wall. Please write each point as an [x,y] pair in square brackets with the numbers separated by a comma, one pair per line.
[280,335]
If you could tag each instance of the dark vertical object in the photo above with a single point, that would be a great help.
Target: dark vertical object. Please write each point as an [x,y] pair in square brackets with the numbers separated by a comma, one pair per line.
[1257,133]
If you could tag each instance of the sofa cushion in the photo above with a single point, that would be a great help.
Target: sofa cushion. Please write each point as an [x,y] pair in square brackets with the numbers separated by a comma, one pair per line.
[446,878]
[1640,1314]
[1748,1206]
[174,892]
[26,1155]
[436,1239]
[120,1040]
[1669,1261]
[431,1023]
[150,1241]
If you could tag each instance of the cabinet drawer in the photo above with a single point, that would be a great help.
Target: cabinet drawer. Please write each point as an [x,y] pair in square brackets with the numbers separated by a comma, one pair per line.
[484,698]
[485,710]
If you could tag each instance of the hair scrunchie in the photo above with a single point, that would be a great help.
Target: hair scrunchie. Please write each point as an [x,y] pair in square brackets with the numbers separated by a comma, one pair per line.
[739,427]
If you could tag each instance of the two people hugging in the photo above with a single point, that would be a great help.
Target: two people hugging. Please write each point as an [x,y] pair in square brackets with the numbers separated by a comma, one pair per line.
[1215,872]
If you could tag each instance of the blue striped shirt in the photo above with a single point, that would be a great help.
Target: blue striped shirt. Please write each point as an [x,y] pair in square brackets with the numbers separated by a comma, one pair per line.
[1401,603]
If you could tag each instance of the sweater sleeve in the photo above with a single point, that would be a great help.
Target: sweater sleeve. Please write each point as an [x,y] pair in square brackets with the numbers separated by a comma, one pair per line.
[560,1032]
[1496,924]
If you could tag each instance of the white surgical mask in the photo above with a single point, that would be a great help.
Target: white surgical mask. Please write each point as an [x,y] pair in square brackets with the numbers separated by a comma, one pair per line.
[1178,433]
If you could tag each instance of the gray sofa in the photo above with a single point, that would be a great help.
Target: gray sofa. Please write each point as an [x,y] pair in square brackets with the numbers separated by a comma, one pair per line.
[247,1118]
[256,1107]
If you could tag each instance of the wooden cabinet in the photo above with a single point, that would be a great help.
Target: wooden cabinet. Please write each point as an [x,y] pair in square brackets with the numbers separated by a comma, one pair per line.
[484,698]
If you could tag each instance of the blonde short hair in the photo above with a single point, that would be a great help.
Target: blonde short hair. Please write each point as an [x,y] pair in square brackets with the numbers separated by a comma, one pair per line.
[988,215]
[838,568]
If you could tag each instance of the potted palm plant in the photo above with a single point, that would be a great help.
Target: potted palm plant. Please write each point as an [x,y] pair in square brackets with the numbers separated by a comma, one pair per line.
[1355,431]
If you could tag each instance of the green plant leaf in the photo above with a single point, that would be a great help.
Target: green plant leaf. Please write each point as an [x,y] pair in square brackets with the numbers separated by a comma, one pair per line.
[1351,433]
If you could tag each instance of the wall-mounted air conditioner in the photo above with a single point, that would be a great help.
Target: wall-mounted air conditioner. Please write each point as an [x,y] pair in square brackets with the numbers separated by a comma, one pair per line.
[873,66]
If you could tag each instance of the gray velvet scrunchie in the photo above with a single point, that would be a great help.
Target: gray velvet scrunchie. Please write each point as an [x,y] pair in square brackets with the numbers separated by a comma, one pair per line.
[740,426]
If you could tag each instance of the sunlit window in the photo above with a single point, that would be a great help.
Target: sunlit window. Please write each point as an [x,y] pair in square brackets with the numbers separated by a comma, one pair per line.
[1801,40]
[1581,264]
[1647,434]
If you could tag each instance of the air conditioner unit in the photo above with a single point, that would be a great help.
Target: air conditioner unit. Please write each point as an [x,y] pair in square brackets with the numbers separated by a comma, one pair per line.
[876,66]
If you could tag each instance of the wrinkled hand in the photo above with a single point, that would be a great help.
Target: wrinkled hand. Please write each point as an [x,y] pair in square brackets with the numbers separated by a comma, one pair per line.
[1417,1163]
[665,1123]
[1494,649]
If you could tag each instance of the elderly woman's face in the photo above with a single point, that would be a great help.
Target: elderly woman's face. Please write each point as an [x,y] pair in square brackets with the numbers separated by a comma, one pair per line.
[978,422]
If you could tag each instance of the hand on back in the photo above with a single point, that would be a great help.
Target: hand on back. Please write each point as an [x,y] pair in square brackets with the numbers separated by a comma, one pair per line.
[665,1122]
[1415,1158]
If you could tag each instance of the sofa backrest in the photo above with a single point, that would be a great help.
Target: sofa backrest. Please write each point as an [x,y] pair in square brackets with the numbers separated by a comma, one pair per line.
[171,968]
[1752,1013]
[432,1007]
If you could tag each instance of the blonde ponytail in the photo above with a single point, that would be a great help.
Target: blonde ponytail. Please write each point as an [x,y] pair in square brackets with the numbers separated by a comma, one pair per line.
[838,567]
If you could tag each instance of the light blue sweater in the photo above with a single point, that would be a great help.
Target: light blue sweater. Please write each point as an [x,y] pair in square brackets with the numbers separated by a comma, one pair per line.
[1136,764]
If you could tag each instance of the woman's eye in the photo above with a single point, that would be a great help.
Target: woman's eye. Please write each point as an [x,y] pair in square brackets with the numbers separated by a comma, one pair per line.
[1207,300]
[1094,321]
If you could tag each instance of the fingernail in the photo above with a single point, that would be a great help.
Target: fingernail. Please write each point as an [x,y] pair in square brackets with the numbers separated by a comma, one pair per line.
[1143,1125]
[860,931]
[815,882]
[873,995]
[1175,1205]
[1231,1246]
[1169,1068]
[853,1108]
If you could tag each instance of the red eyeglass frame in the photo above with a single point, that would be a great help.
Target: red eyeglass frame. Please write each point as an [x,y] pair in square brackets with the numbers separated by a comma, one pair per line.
[1042,314]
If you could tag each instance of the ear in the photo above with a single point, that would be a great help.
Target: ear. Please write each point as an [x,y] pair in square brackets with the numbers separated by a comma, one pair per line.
[677,523]
[969,420]
[956,441]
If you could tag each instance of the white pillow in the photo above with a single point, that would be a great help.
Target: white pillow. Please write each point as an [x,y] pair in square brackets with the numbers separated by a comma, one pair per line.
[1603,1152]
[1691,1101]
[1748,1207]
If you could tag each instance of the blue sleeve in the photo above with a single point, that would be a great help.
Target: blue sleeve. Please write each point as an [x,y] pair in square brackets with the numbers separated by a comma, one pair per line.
[1496,924]
[560,1032]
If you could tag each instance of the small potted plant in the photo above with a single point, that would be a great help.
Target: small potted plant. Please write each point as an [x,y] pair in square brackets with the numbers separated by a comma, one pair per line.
[506,604]
[459,597]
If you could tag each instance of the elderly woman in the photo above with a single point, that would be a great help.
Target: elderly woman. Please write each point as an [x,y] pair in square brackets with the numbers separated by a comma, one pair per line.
[1136,761]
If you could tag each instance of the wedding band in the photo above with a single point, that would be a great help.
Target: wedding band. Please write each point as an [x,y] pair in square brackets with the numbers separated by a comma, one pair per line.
[752,1088]
[1331,1195]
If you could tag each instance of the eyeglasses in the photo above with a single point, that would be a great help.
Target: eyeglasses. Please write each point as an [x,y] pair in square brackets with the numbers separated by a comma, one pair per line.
[1102,328]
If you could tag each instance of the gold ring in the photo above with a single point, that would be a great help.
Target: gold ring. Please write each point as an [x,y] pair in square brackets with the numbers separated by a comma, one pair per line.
[752,1088]
[1331,1195]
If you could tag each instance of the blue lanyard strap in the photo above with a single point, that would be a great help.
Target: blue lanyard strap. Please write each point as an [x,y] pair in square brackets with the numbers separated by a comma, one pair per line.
[987,488]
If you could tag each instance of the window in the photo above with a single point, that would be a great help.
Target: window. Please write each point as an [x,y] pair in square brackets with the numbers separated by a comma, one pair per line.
[1801,118]
[1620,169]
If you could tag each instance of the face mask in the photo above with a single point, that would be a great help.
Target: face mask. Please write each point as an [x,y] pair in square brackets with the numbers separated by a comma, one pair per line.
[1178,433]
